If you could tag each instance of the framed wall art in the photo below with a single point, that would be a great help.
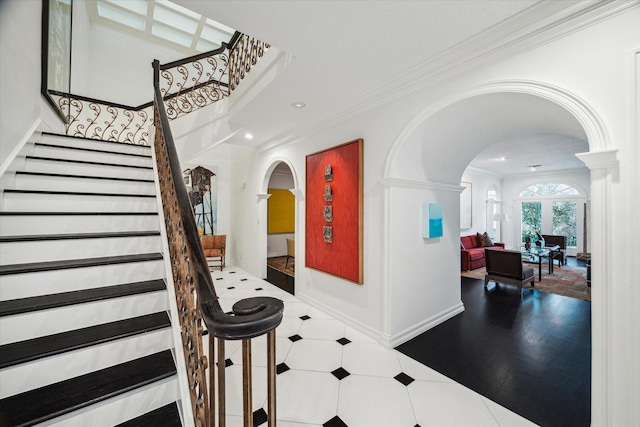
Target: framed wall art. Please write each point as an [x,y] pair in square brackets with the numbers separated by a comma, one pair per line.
[334,215]
[465,205]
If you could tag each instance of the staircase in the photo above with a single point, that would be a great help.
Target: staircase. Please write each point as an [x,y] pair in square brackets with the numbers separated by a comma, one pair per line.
[85,334]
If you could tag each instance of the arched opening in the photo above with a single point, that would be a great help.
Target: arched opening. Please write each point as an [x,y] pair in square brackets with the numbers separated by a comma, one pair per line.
[428,162]
[280,219]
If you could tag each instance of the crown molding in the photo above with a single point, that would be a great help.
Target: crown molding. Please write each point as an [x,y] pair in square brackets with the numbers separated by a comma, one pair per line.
[420,185]
[541,24]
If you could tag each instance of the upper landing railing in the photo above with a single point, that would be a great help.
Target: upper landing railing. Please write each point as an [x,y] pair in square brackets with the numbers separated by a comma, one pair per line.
[186,85]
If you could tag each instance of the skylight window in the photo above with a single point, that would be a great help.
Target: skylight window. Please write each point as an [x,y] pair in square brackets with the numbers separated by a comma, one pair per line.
[121,16]
[174,20]
[163,20]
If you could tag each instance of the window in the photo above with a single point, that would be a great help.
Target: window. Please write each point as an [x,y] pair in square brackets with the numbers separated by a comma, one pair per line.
[551,208]
[163,20]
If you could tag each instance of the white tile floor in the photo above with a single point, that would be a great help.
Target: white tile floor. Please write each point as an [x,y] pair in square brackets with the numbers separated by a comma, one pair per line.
[332,375]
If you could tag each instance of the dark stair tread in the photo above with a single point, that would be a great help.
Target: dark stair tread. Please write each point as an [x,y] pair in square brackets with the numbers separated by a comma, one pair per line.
[36,213]
[48,402]
[87,162]
[64,175]
[77,193]
[26,351]
[74,236]
[76,263]
[43,302]
[97,141]
[166,416]
[92,150]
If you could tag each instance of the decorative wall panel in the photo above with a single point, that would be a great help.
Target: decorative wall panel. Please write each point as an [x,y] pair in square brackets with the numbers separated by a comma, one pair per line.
[334,216]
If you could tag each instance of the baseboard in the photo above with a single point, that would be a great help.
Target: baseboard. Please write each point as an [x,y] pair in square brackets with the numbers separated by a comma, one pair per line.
[349,321]
[392,341]
[12,156]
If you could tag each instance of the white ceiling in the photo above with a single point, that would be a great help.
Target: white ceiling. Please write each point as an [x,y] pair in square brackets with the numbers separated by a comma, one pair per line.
[354,55]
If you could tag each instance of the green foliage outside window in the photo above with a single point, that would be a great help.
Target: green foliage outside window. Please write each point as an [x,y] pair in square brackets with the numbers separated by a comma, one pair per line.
[564,221]
[531,219]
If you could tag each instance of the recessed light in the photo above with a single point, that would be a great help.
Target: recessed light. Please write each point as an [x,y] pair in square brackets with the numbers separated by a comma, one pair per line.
[298,105]
[502,159]
[248,136]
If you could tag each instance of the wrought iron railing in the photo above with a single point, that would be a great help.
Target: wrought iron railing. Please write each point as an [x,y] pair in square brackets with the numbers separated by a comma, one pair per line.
[186,85]
[95,119]
[196,296]
[195,82]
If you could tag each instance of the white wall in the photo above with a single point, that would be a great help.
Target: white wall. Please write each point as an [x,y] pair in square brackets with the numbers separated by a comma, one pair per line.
[410,284]
[481,181]
[22,107]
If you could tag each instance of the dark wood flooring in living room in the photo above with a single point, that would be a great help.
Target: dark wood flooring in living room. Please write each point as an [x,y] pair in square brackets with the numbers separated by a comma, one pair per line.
[530,354]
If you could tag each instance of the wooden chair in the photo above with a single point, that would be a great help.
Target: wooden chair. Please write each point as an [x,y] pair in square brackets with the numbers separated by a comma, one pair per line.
[291,251]
[215,247]
[507,267]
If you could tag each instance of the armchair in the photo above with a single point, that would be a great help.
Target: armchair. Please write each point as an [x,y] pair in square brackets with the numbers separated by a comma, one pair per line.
[561,253]
[215,247]
[507,267]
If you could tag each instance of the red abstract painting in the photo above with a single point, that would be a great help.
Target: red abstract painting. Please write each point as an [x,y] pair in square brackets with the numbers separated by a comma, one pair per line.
[334,214]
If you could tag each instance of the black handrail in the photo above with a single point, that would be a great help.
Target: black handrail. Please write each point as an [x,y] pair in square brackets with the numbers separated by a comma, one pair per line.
[251,317]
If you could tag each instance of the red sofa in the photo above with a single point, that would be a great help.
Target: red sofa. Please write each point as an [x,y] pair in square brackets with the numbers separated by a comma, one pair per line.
[471,254]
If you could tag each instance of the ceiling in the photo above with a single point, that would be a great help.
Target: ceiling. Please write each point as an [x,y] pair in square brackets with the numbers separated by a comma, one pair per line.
[347,56]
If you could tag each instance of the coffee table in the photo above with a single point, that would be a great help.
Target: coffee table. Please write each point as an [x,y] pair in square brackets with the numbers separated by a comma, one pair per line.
[536,254]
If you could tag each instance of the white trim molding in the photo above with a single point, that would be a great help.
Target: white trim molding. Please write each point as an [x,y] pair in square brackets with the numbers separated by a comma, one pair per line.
[599,159]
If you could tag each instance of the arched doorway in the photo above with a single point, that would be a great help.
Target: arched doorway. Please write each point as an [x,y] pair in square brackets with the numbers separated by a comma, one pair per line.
[280,222]
[427,162]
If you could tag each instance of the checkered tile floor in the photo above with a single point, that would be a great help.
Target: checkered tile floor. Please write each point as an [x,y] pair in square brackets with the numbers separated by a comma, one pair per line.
[331,375]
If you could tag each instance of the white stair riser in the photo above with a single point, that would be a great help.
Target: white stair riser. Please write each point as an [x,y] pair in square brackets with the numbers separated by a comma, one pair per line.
[90,156]
[96,144]
[15,286]
[58,250]
[34,324]
[77,203]
[20,225]
[48,166]
[59,183]
[49,370]
[122,408]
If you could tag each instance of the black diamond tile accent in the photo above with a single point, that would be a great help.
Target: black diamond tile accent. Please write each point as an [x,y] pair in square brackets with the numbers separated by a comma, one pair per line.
[231,287]
[404,378]
[259,417]
[205,333]
[295,338]
[344,341]
[282,367]
[219,278]
[259,289]
[305,317]
[243,280]
[335,422]
[228,362]
[232,272]
[341,373]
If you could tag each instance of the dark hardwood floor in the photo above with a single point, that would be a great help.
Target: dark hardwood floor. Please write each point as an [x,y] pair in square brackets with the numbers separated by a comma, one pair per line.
[281,280]
[530,354]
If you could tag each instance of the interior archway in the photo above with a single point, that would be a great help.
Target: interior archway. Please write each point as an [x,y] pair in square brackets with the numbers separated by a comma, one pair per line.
[278,220]
[433,152]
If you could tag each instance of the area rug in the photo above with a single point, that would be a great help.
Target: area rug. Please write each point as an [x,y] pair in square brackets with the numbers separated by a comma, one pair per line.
[569,281]
[278,263]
